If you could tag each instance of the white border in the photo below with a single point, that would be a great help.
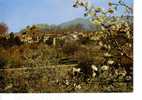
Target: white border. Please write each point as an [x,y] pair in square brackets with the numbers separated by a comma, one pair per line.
[102,96]
[71,96]
[138,47]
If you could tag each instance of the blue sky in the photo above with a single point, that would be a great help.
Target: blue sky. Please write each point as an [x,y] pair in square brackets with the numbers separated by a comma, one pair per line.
[19,13]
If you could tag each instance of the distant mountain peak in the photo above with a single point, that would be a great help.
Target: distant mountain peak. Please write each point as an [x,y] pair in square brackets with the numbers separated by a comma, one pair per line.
[85,23]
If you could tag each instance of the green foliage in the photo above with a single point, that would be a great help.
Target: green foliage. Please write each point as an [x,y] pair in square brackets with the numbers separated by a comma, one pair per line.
[11,36]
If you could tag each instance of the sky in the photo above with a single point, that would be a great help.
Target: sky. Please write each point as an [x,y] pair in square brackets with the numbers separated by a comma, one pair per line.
[17,14]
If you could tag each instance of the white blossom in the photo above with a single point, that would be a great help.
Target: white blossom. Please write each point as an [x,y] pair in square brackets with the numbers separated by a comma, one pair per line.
[130,45]
[67,82]
[109,47]
[107,54]
[123,73]
[128,77]
[122,53]
[94,67]
[76,69]
[9,86]
[100,43]
[78,86]
[105,67]
[110,62]
[94,74]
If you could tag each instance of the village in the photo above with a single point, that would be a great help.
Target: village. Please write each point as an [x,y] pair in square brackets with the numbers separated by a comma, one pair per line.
[36,36]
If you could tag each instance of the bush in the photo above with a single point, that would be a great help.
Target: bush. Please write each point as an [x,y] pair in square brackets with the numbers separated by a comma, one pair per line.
[2,81]
[49,41]
[70,47]
[17,40]
[84,63]
[84,40]
[3,62]
[60,42]
[12,36]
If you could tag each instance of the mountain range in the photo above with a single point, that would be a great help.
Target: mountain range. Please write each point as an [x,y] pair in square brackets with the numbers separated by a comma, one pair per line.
[84,23]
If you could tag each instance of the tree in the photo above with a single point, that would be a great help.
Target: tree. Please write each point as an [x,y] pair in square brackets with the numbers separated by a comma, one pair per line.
[111,26]
[12,36]
[3,28]
[114,29]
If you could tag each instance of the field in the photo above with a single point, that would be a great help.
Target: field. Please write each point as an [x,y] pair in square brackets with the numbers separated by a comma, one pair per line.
[43,67]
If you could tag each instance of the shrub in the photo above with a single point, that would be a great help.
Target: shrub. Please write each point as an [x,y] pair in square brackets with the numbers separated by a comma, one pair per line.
[60,42]
[3,62]
[84,40]
[17,40]
[2,81]
[85,60]
[12,36]
[49,41]
[70,47]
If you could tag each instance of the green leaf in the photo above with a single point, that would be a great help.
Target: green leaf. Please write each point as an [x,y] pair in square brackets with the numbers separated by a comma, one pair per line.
[110,3]
[110,11]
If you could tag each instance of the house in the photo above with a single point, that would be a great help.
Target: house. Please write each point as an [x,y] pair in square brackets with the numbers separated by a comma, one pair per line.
[26,38]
